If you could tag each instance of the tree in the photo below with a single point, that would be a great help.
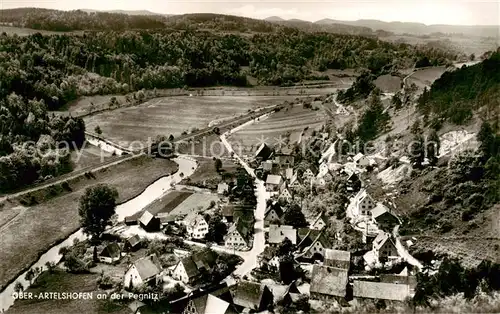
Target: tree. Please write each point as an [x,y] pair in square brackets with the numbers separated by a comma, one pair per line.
[30,275]
[433,146]
[218,164]
[488,142]
[287,269]
[98,130]
[294,217]
[97,206]
[396,100]
[417,150]
[216,228]
[285,247]
[18,287]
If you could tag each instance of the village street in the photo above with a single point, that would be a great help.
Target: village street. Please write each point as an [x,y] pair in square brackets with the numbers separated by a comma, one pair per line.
[250,258]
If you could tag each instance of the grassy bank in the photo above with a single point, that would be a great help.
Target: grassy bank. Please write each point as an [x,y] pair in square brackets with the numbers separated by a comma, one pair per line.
[60,281]
[52,213]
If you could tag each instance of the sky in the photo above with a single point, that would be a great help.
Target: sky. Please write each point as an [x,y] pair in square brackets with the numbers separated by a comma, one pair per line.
[454,12]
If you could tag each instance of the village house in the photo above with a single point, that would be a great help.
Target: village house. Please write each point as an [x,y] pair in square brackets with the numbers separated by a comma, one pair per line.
[291,295]
[384,247]
[273,214]
[273,183]
[402,278]
[222,188]
[308,175]
[312,243]
[337,258]
[384,218]
[110,253]
[231,212]
[319,222]
[143,271]
[278,233]
[149,222]
[267,166]
[363,204]
[239,235]
[295,182]
[284,161]
[285,195]
[328,283]
[289,174]
[361,160]
[196,226]
[252,296]
[269,257]
[208,304]
[380,290]
[190,269]
[133,243]
[263,153]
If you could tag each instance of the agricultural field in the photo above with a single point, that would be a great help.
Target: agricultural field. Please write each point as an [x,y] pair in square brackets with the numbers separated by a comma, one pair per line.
[173,115]
[52,214]
[388,83]
[88,156]
[426,77]
[195,202]
[293,122]
[206,176]
[21,31]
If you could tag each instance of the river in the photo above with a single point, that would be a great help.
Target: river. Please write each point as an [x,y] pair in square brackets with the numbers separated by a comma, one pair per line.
[187,166]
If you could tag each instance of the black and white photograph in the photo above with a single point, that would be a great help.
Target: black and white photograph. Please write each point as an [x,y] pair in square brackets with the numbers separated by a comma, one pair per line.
[227,157]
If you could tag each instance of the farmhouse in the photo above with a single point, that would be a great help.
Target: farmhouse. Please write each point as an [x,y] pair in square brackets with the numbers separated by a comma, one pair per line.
[337,258]
[189,269]
[285,195]
[232,212]
[196,226]
[143,271]
[384,246]
[110,253]
[363,204]
[273,214]
[319,222]
[328,283]
[238,236]
[278,233]
[380,290]
[273,183]
[295,182]
[289,174]
[312,243]
[361,160]
[222,188]
[252,296]
[149,222]
[208,304]
[267,166]
[264,152]
[384,218]
[133,243]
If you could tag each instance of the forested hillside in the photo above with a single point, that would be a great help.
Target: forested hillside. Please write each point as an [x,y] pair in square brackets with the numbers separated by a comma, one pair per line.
[455,95]
[59,69]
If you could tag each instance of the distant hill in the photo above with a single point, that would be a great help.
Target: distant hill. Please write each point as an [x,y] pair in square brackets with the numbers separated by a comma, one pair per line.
[419,28]
[127,12]
[274,19]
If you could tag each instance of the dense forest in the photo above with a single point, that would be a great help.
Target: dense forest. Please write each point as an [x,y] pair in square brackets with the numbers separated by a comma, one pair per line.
[34,145]
[60,68]
[455,95]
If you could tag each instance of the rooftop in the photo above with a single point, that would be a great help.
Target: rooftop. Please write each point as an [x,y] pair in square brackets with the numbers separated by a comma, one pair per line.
[278,233]
[380,290]
[329,280]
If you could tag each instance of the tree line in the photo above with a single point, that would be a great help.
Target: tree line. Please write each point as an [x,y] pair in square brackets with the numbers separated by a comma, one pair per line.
[455,95]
